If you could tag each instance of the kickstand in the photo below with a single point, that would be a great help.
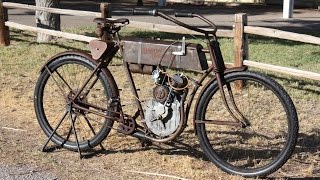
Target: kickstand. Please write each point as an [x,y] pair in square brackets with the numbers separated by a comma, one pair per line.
[72,129]
[75,134]
[53,132]
[102,148]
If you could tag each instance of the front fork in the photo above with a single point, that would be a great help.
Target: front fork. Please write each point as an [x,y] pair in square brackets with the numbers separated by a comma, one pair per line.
[219,71]
[241,121]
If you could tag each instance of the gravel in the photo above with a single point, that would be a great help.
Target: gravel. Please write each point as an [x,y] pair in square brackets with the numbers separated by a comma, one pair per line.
[24,172]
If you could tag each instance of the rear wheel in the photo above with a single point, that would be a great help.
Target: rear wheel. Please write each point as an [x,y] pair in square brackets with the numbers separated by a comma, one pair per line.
[59,82]
[260,148]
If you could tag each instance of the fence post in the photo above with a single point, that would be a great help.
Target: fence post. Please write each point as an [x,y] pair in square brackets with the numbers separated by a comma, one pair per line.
[240,39]
[240,43]
[4,30]
[105,10]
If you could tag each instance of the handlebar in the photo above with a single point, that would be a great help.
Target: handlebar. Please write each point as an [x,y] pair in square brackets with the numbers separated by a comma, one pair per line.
[181,14]
[155,12]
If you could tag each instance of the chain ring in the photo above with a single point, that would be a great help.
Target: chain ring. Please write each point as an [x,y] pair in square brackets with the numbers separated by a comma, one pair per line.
[127,126]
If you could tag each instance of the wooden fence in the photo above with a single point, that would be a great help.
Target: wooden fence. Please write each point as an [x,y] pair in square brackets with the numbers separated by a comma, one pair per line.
[239,33]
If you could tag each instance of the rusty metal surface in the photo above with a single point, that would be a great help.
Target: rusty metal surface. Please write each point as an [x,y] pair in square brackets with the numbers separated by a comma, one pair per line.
[217,122]
[160,93]
[97,48]
[217,56]
[227,71]
[141,68]
[127,125]
[150,52]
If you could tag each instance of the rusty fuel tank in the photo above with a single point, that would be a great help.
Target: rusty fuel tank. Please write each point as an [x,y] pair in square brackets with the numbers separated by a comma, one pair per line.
[154,52]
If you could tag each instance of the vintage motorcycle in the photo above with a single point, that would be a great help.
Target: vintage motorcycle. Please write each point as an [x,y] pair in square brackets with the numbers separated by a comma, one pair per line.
[246,122]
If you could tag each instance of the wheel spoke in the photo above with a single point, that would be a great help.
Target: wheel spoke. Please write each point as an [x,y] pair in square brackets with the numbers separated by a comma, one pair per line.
[64,81]
[90,86]
[90,126]
[54,79]
[90,119]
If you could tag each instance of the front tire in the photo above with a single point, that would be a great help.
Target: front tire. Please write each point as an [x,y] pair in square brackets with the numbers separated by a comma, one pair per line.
[259,149]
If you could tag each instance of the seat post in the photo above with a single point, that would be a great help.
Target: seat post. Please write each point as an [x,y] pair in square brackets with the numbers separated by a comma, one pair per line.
[99,30]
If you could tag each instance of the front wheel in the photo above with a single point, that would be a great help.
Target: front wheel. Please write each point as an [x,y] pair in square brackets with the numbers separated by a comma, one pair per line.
[270,137]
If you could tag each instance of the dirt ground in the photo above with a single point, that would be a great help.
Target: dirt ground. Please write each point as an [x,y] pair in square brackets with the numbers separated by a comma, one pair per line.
[21,140]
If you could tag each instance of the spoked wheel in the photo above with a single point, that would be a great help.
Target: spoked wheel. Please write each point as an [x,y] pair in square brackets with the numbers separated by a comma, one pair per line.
[269,138]
[57,86]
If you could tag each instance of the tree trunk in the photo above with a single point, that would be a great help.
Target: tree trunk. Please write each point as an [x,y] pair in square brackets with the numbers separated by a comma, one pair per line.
[47,20]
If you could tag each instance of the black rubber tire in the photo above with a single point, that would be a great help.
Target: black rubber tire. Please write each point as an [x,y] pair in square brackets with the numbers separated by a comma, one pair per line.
[44,115]
[221,154]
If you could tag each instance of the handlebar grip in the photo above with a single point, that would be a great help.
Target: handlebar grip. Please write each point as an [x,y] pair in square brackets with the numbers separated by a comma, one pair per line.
[145,12]
[182,14]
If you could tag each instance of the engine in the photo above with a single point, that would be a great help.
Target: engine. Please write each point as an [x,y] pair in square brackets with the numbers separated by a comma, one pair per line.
[162,113]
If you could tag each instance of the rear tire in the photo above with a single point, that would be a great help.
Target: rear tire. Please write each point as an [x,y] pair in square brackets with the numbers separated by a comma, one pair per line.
[67,74]
[259,149]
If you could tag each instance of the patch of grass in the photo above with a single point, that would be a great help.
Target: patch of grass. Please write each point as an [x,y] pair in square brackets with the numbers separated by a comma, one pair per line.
[285,53]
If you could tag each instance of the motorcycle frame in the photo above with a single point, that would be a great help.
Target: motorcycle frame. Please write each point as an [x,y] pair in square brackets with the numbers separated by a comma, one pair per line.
[114,44]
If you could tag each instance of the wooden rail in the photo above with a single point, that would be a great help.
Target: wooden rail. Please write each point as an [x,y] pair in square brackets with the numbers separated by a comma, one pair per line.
[275,33]
[283,70]
[52,10]
[49,32]
[240,32]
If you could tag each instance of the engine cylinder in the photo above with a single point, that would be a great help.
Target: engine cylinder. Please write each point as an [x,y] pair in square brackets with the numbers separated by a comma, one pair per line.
[179,81]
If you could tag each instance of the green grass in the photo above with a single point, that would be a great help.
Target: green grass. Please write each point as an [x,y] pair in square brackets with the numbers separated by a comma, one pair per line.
[285,53]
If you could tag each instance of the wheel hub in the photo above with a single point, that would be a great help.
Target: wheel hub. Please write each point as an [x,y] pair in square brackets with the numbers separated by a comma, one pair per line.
[80,100]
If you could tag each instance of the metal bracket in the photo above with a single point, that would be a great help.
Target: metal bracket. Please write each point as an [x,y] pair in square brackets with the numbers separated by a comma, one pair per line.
[182,48]
[181,52]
